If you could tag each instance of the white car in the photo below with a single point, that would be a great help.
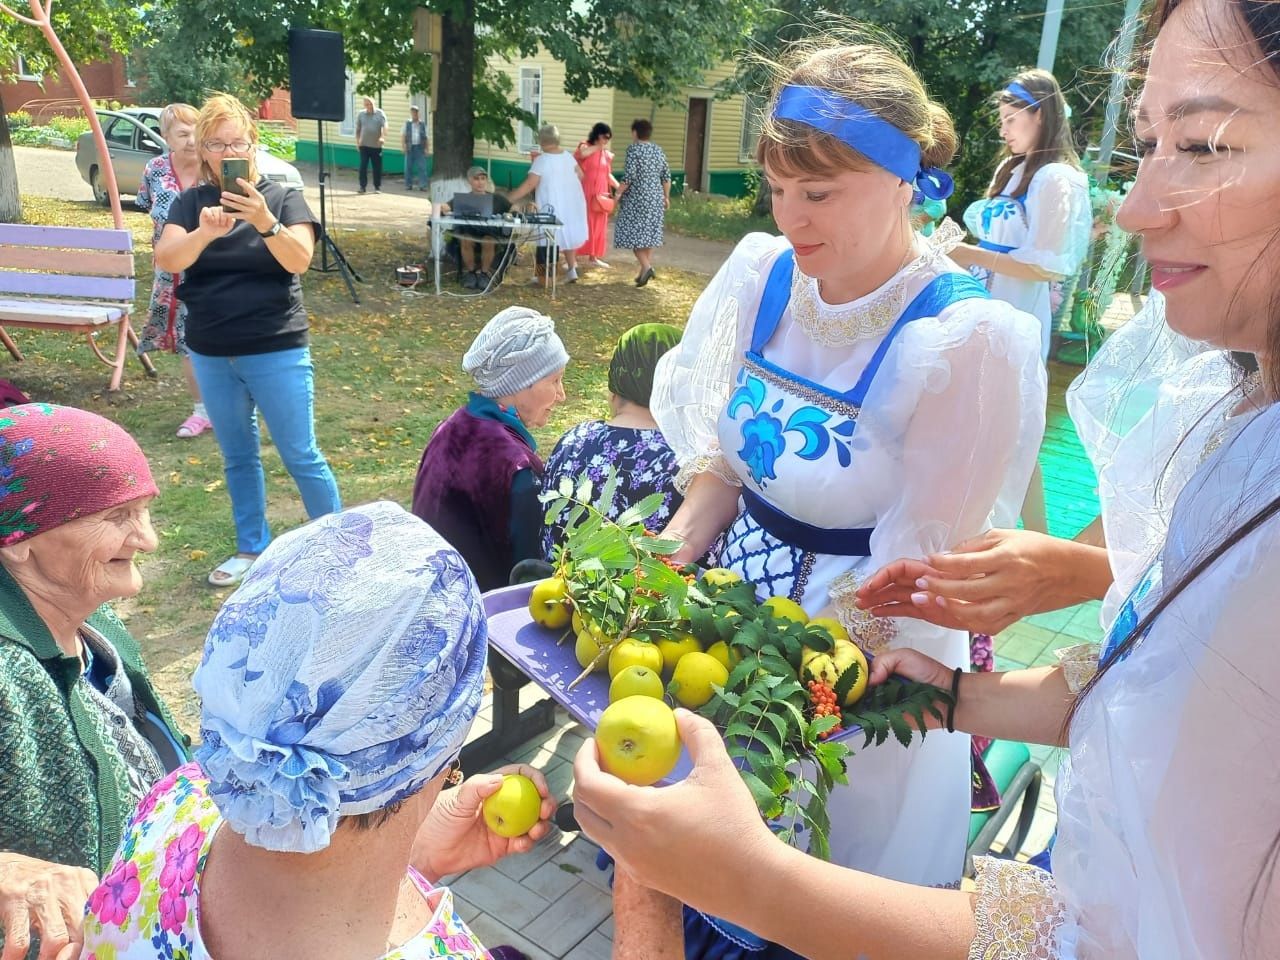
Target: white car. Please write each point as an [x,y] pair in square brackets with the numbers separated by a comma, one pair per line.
[133,138]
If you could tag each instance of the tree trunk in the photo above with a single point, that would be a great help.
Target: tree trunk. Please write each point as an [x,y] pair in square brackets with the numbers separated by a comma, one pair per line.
[10,202]
[455,140]
[763,205]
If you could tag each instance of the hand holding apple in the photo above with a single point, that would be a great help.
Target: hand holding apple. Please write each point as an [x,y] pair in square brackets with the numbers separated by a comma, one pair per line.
[454,837]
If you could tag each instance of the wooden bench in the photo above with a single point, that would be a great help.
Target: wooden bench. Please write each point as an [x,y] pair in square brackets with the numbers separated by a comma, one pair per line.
[76,279]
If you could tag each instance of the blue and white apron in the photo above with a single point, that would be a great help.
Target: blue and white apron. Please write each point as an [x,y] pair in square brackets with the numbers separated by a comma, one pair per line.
[1000,223]
[905,814]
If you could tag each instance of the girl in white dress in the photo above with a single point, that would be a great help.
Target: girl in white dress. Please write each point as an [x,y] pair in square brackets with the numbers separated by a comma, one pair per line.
[1169,812]
[844,395]
[1033,225]
[555,180]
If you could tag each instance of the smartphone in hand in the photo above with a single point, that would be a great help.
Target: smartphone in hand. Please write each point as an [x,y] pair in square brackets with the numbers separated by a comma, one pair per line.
[233,168]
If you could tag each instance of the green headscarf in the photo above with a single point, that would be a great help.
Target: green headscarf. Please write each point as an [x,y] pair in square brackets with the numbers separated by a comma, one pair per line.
[634,359]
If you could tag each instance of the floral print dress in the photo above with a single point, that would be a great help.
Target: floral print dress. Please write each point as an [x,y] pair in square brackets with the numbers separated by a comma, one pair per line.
[641,458]
[146,906]
[166,326]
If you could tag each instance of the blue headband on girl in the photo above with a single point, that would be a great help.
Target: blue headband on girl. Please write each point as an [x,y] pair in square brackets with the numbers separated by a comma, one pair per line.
[875,138]
[1022,93]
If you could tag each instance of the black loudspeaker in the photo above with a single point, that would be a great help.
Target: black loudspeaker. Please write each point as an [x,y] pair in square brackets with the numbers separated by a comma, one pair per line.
[317,74]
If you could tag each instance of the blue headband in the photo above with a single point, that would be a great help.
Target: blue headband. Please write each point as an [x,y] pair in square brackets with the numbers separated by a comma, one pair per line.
[1022,93]
[875,138]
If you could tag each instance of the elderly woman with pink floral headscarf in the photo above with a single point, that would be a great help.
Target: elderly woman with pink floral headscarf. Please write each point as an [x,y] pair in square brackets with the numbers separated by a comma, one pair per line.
[83,734]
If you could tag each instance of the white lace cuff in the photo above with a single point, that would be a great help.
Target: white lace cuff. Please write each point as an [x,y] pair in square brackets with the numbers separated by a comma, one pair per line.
[1017,912]
[1079,664]
[714,464]
[873,634]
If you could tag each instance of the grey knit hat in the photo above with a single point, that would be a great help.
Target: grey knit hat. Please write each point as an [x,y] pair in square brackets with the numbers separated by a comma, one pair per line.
[516,349]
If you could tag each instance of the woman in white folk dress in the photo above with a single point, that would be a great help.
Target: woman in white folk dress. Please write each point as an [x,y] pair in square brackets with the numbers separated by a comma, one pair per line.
[845,397]
[1033,225]
[1169,816]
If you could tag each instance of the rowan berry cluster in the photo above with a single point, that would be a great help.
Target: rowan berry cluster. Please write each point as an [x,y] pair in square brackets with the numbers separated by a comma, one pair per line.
[823,697]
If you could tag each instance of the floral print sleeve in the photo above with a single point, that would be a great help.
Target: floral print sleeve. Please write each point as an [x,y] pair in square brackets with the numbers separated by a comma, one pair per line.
[642,460]
[145,908]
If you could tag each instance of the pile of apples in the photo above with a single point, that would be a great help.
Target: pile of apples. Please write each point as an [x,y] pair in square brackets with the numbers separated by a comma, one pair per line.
[678,665]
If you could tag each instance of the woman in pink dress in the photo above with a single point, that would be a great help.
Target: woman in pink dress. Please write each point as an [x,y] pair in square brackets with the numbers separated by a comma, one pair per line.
[596,160]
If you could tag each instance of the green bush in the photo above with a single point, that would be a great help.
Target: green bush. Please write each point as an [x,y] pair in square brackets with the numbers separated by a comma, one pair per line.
[18,120]
[716,218]
[278,143]
[69,127]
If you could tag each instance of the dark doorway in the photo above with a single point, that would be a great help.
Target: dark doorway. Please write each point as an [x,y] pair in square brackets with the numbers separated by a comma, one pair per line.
[695,143]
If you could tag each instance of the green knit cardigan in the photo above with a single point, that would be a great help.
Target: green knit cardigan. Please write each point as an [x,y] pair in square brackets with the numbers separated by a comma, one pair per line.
[63,795]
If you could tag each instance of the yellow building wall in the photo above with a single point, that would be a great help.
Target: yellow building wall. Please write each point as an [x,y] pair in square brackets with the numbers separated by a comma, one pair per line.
[574,119]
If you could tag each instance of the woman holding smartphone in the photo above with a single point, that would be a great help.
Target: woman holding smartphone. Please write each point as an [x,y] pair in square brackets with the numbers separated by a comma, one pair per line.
[241,242]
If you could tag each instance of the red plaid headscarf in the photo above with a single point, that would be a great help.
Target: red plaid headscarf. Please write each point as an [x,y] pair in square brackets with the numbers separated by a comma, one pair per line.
[59,464]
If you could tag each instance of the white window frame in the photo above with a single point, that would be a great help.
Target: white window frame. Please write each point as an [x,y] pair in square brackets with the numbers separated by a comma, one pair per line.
[347,126]
[749,135]
[420,100]
[24,71]
[528,136]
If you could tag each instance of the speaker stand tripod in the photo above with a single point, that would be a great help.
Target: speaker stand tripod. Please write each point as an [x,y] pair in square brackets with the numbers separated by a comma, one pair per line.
[327,244]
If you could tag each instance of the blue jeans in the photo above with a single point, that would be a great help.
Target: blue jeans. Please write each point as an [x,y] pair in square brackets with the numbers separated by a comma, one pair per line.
[415,166]
[281,385]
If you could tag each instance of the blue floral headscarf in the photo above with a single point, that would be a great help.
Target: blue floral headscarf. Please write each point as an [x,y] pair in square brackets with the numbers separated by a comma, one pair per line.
[340,677]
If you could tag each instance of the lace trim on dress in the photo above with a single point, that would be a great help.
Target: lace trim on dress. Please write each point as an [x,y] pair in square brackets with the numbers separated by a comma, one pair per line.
[1018,912]
[708,463]
[872,315]
[1079,664]
[873,634]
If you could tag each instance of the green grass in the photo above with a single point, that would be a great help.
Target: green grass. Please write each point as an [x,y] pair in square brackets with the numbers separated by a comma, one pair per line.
[387,371]
[728,219]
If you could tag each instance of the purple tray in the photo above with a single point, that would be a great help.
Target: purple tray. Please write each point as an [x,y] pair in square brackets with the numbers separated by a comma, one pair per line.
[533,650]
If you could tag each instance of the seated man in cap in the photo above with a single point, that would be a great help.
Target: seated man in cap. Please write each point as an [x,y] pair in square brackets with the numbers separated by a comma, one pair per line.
[478,245]
[480,475]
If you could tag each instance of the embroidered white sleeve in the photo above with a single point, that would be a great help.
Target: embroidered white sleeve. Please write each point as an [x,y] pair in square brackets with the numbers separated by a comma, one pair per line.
[1017,912]
[692,382]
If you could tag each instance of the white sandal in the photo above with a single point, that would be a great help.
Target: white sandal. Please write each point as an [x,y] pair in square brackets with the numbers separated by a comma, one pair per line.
[232,571]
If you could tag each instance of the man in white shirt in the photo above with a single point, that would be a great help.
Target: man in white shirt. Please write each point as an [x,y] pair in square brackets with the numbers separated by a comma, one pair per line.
[413,139]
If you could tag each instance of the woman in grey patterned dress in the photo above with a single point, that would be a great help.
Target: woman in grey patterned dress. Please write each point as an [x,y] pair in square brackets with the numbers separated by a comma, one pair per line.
[644,197]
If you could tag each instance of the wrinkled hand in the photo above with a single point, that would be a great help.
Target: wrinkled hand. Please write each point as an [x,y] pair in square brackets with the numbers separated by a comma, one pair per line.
[252,208]
[454,837]
[43,899]
[982,586]
[651,831]
[215,222]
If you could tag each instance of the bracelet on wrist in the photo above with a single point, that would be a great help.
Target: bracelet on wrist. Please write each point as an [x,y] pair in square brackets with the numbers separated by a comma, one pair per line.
[955,695]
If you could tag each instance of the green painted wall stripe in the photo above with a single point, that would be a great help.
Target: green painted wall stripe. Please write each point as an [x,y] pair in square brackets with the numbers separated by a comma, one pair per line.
[506,174]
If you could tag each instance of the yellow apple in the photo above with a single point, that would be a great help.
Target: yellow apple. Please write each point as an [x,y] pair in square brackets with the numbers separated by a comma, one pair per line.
[635,682]
[724,653]
[673,648]
[547,604]
[515,808]
[784,608]
[638,739]
[586,650]
[634,653]
[721,577]
[832,626]
[696,674]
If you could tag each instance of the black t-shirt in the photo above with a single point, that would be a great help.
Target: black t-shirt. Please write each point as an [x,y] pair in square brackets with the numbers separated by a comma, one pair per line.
[239,299]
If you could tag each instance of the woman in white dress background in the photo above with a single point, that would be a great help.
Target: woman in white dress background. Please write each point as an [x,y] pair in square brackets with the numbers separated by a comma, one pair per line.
[555,180]
[1033,225]
[1168,809]
[844,397]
